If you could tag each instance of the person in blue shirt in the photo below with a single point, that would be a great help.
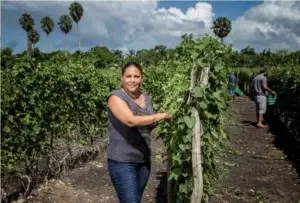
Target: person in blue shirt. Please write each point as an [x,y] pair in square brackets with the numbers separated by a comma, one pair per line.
[232,84]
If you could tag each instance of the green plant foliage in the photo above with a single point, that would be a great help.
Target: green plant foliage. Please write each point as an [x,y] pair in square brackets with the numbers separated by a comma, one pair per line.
[169,88]
[60,96]
[42,98]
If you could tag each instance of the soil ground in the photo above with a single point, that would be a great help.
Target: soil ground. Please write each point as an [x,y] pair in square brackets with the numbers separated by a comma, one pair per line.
[255,171]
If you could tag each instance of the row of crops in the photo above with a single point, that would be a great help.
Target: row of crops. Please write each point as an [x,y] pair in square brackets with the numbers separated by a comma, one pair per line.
[52,110]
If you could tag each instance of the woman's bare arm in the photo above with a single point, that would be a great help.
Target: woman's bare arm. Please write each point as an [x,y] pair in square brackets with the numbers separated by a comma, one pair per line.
[122,112]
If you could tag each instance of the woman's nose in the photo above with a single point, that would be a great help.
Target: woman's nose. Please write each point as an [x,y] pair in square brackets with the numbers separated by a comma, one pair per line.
[132,79]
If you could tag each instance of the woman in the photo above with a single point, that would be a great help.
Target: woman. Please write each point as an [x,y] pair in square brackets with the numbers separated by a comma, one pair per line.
[130,120]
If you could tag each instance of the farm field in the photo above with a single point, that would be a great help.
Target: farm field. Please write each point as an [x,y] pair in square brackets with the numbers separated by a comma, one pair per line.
[68,133]
[253,162]
[54,119]
[61,108]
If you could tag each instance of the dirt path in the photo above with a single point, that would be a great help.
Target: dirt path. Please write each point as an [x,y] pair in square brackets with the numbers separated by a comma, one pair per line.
[256,171]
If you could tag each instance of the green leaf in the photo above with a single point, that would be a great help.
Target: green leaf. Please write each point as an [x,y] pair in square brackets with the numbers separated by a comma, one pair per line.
[197,92]
[10,118]
[183,188]
[214,134]
[223,133]
[202,105]
[6,129]
[184,147]
[27,118]
[189,121]
[174,174]
[176,159]
[185,174]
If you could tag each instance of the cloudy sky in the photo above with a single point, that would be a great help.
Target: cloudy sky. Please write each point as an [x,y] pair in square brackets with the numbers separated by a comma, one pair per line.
[143,24]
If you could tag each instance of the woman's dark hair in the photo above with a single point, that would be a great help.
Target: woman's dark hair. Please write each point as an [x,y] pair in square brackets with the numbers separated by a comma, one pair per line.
[263,69]
[128,64]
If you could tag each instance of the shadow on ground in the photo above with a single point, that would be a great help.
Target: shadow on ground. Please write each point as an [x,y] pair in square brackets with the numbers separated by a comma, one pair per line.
[286,141]
[249,123]
[161,190]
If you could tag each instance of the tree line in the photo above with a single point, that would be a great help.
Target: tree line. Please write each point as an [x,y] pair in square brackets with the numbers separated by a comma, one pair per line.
[103,57]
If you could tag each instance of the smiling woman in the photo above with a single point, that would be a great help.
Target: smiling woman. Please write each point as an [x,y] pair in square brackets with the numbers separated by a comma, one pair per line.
[131,118]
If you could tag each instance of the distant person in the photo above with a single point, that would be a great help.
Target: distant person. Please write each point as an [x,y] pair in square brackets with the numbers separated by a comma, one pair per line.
[232,84]
[131,119]
[260,89]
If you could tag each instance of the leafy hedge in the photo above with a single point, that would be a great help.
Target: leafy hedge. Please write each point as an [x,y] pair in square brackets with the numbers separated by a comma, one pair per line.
[42,102]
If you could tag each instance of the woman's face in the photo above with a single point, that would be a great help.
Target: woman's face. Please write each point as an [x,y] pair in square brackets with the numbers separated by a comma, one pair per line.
[132,79]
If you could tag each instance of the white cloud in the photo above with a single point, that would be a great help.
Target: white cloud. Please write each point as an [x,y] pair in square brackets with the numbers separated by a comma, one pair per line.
[202,11]
[141,24]
[130,24]
[272,24]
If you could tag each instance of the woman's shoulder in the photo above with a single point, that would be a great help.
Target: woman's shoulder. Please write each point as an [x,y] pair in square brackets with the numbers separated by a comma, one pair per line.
[117,92]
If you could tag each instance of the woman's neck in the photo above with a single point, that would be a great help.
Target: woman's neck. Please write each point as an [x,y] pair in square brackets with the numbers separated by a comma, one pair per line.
[134,95]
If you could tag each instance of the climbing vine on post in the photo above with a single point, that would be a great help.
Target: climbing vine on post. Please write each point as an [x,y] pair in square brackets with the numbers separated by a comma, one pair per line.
[194,89]
[196,140]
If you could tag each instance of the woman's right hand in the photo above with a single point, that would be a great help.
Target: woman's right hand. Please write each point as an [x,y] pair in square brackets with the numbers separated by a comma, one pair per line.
[166,116]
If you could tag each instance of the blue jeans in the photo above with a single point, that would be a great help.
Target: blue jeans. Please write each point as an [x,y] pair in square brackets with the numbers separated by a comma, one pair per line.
[129,179]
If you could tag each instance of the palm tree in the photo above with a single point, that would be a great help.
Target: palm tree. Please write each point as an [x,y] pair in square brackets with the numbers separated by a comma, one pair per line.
[76,12]
[118,53]
[27,23]
[131,53]
[221,27]
[65,24]
[47,26]
[33,36]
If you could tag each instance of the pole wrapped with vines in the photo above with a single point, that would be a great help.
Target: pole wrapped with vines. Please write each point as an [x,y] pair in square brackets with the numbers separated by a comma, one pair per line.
[185,99]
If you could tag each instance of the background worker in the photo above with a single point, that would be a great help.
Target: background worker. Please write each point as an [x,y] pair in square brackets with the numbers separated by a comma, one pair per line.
[260,89]
[232,84]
